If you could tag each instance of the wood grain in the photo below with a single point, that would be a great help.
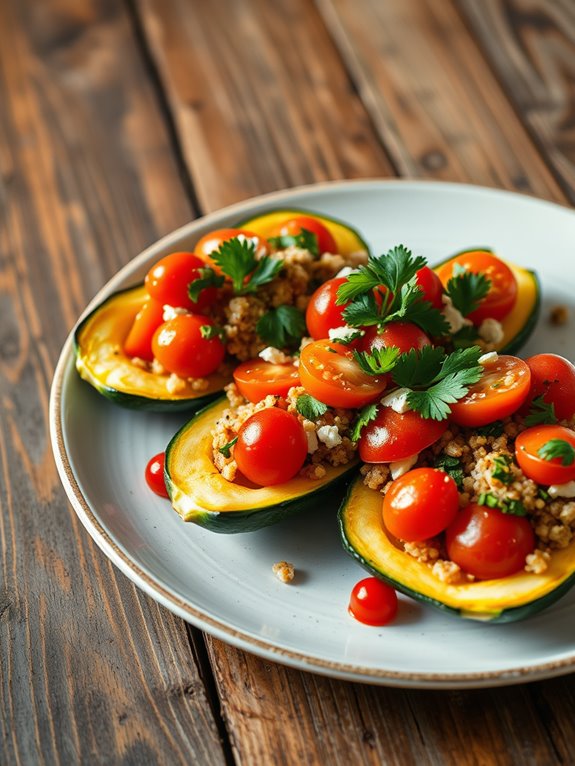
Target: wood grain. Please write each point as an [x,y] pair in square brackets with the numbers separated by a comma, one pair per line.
[531,46]
[91,671]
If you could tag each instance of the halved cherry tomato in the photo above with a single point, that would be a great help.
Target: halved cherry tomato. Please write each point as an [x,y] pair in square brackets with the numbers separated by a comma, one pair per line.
[527,446]
[394,436]
[168,280]
[329,372]
[503,291]
[373,602]
[325,241]
[212,241]
[155,475]
[488,543]
[403,335]
[500,392]
[431,285]
[271,447]
[420,504]
[180,347]
[139,340]
[553,378]
[256,379]
[322,314]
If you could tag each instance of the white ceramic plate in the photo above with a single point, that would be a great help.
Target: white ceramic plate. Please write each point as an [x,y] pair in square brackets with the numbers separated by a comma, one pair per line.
[224,584]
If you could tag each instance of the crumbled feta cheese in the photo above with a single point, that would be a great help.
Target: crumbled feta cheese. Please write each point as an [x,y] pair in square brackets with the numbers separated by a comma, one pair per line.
[175,384]
[312,443]
[342,333]
[345,272]
[274,356]
[170,312]
[489,358]
[397,400]
[454,317]
[157,367]
[402,466]
[491,331]
[329,435]
[562,490]
[137,362]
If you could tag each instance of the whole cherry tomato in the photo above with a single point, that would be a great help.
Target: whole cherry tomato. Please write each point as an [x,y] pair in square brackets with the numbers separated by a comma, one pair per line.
[373,602]
[553,378]
[431,285]
[256,379]
[155,475]
[394,436]
[212,241]
[168,280]
[325,241]
[530,453]
[181,348]
[322,314]
[139,340]
[403,335]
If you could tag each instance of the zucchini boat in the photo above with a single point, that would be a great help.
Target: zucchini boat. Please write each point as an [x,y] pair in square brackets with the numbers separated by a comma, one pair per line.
[502,600]
[348,239]
[519,324]
[101,361]
[200,494]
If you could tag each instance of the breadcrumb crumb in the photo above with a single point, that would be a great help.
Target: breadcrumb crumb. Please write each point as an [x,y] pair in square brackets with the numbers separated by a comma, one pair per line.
[284,571]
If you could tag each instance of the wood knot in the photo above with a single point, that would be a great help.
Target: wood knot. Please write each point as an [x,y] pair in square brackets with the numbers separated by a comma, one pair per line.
[434,160]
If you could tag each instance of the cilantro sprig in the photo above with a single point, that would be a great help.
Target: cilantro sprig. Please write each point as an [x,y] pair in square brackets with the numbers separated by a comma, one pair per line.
[310,407]
[364,416]
[378,361]
[209,331]
[541,413]
[511,507]
[305,239]
[207,278]
[226,449]
[237,259]
[501,468]
[281,327]
[453,467]
[557,448]
[467,289]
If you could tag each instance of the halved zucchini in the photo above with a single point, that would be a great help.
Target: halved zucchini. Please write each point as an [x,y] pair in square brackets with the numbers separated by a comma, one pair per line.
[519,324]
[199,493]
[509,599]
[100,360]
[348,240]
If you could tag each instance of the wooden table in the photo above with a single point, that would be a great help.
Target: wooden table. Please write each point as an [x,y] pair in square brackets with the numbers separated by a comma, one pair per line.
[120,121]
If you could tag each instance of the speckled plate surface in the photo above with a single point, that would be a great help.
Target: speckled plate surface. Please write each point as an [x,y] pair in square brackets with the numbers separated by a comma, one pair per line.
[224,584]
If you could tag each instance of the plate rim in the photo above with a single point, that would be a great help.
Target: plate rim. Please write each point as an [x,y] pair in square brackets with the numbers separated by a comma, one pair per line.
[153,586]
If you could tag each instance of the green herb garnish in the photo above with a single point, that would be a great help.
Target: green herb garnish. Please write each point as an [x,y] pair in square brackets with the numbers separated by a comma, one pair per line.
[236,258]
[467,289]
[207,278]
[453,467]
[541,413]
[557,448]
[209,331]
[511,507]
[501,466]
[309,407]
[494,429]
[225,450]
[306,240]
[281,327]
[365,415]
[378,361]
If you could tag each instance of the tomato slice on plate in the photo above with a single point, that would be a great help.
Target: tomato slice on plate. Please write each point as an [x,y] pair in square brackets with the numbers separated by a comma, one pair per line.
[530,453]
[394,436]
[256,379]
[500,392]
[329,372]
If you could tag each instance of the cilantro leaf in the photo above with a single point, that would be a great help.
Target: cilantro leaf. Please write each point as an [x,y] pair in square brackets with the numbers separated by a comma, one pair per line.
[306,240]
[512,507]
[414,308]
[418,367]
[210,331]
[358,283]
[465,336]
[364,416]
[378,361]
[397,267]
[463,360]
[453,467]
[555,448]
[281,327]
[207,278]
[467,289]
[362,312]
[309,407]
[500,470]
[541,413]
[236,258]
[225,450]
[348,338]
[433,403]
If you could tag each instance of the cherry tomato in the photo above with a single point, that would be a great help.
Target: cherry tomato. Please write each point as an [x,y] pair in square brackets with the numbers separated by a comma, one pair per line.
[271,447]
[403,335]
[431,285]
[420,504]
[488,543]
[553,378]
[168,280]
[373,602]
[394,436]
[256,379]
[325,241]
[155,475]
[322,314]
[527,446]
[179,346]
[503,291]
[329,372]
[500,392]
[212,241]
[139,340]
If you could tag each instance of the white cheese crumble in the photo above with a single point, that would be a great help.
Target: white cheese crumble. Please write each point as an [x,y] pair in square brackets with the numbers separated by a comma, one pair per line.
[489,358]
[175,384]
[397,400]
[454,317]
[344,333]
[274,356]
[562,490]
[157,367]
[329,435]
[312,442]
[491,330]
[345,272]
[170,312]
[402,466]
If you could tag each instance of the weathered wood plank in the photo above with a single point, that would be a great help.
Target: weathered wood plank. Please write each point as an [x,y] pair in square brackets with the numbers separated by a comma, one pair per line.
[91,671]
[531,45]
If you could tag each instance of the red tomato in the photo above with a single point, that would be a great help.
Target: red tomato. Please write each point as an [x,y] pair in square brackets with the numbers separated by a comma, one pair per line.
[553,378]
[431,285]
[503,291]
[403,335]
[393,436]
[212,241]
[168,280]
[139,340]
[155,475]
[500,392]
[329,372]
[271,447]
[527,446]
[420,504]
[179,346]
[325,241]
[487,543]
[373,602]
[256,379]
[322,314]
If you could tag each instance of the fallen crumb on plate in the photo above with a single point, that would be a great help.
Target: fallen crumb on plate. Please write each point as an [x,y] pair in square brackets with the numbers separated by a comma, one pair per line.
[559,315]
[284,571]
